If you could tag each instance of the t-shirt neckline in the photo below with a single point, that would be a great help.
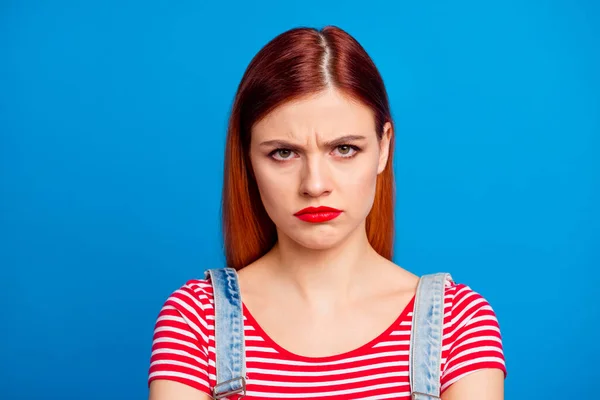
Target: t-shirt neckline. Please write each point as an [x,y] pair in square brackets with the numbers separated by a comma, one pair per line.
[359,351]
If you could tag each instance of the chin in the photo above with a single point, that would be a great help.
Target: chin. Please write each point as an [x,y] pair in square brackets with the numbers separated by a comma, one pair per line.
[317,240]
[318,245]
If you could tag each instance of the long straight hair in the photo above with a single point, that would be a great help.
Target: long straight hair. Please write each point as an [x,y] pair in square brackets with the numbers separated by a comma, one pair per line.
[297,63]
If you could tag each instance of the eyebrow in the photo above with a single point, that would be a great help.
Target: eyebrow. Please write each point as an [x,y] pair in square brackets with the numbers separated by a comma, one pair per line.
[334,143]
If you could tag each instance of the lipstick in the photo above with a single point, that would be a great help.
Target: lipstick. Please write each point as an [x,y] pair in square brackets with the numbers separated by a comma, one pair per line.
[317,214]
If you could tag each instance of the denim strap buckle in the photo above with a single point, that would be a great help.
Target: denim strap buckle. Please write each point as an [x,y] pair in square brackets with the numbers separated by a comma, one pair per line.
[227,384]
[423,396]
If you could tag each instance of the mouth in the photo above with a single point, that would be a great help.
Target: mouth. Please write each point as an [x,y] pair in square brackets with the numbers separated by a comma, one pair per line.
[317,214]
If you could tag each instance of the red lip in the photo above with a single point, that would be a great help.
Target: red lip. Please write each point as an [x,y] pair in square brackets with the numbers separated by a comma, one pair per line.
[318,214]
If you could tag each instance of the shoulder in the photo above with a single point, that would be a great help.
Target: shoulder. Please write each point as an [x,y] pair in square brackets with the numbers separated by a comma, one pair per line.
[187,315]
[469,319]
[471,334]
[462,303]
[189,307]
[183,336]
[194,294]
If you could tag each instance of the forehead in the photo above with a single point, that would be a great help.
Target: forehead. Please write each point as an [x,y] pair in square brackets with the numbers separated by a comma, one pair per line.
[328,114]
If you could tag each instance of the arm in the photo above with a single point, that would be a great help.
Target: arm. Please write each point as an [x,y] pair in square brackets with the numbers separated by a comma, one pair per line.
[485,384]
[167,390]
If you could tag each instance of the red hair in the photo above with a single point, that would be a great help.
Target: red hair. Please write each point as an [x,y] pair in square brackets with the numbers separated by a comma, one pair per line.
[297,63]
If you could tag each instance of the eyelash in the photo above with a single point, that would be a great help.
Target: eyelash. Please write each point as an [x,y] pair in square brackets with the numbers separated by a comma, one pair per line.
[356,150]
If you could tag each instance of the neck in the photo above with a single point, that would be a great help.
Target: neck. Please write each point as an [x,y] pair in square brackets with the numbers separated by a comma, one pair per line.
[324,278]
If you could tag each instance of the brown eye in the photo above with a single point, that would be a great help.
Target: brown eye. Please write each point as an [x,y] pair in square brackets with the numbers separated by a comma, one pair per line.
[344,149]
[284,153]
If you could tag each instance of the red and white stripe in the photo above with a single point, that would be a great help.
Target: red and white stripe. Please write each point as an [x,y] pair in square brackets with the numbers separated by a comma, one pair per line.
[183,351]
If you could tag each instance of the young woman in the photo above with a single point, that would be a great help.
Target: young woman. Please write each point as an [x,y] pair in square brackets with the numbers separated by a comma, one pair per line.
[308,226]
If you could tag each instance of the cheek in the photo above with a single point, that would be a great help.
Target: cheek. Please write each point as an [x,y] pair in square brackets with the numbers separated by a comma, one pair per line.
[361,188]
[357,187]
[273,186]
[360,178]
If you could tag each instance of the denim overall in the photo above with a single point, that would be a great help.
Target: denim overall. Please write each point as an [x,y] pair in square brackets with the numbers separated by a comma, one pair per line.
[425,339]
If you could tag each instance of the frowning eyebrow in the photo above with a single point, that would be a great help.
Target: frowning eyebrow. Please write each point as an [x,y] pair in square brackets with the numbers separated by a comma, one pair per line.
[334,143]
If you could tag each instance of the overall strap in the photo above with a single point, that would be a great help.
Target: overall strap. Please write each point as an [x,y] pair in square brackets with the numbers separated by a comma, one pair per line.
[229,334]
[425,354]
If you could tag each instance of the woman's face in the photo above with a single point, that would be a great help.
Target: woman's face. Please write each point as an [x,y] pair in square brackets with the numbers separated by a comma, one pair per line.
[320,151]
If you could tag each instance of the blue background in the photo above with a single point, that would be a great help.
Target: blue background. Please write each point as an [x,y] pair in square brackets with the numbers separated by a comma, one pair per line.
[112,122]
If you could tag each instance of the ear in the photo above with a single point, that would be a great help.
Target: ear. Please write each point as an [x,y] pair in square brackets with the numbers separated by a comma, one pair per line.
[384,146]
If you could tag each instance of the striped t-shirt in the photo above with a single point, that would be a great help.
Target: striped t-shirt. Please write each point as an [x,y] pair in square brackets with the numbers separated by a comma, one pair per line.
[183,351]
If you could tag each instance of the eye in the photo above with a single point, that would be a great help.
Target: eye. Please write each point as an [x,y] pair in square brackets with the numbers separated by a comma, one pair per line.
[346,151]
[282,154]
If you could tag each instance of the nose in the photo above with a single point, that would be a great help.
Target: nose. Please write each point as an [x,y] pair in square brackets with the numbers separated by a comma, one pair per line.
[316,179]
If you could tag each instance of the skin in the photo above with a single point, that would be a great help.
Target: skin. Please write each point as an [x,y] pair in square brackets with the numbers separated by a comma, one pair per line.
[323,290]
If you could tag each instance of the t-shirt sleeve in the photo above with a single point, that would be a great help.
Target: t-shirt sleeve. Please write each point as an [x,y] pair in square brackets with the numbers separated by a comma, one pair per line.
[179,345]
[474,337]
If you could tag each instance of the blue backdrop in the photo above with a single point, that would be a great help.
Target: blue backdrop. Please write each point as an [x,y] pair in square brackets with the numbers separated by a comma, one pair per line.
[112,121]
